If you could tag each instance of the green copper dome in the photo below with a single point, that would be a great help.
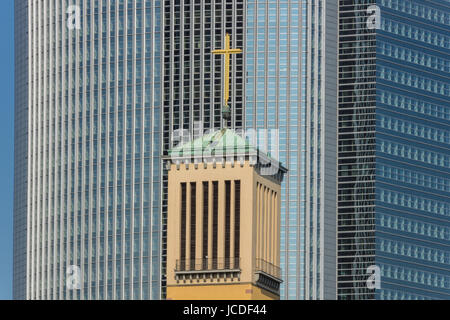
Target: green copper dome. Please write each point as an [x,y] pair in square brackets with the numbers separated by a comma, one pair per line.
[221,142]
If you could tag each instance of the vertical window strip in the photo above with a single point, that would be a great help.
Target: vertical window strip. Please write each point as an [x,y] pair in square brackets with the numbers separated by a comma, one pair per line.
[183,227]
[215,222]
[193,222]
[237,222]
[227,222]
[205,223]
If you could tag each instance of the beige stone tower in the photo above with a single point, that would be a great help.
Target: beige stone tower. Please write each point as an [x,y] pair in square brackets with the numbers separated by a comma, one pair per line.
[223,220]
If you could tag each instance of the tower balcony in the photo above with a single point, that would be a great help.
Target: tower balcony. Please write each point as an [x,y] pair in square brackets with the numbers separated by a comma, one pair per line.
[208,269]
[205,265]
[267,276]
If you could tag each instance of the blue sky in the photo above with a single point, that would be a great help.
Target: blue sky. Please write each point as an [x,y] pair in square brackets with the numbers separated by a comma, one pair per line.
[6,145]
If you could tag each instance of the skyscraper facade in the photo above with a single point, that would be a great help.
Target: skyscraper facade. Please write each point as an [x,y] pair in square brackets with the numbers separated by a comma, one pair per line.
[291,85]
[20,152]
[98,103]
[278,83]
[88,147]
[193,76]
[394,149]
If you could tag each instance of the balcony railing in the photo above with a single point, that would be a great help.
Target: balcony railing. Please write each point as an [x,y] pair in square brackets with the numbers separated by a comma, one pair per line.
[224,265]
[267,267]
[205,265]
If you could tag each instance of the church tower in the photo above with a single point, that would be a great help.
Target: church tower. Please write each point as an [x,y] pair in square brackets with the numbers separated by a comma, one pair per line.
[223,238]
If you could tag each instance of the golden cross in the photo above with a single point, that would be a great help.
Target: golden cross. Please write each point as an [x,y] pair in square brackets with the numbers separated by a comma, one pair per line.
[227,52]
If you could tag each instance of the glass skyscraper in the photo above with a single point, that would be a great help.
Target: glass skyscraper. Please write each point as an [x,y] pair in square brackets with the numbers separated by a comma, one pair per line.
[193,76]
[97,107]
[88,146]
[394,149]
[277,83]
[291,85]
